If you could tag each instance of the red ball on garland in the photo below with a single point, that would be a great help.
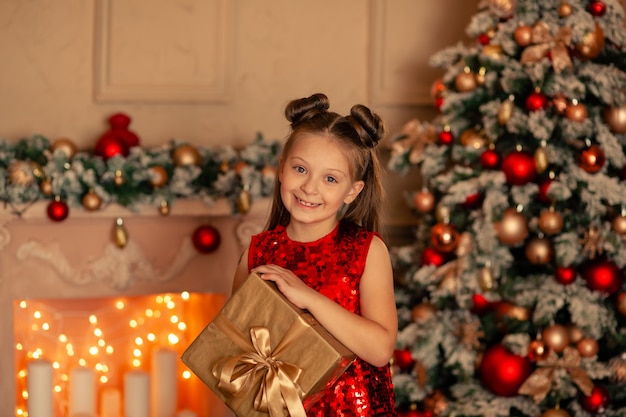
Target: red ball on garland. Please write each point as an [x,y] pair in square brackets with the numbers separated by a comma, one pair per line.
[565,275]
[519,168]
[480,305]
[445,137]
[597,8]
[110,145]
[431,256]
[403,360]
[536,101]
[490,159]
[206,239]
[58,210]
[503,372]
[597,401]
[119,127]
[602,275]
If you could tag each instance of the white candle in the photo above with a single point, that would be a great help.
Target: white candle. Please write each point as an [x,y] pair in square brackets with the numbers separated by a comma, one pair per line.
[39,385]
[163,390]
[136,394]
[82,392]
[110,403]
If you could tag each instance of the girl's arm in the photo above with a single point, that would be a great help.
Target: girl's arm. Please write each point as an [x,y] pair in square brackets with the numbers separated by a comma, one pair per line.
[241,273]
[371,335]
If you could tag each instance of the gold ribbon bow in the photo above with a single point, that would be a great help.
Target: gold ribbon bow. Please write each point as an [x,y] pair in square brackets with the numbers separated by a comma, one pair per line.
[415,136]
[259,366]
[539,383]
[544,42]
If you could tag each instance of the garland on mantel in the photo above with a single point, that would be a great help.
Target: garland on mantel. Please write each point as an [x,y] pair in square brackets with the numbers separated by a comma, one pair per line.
[36,169]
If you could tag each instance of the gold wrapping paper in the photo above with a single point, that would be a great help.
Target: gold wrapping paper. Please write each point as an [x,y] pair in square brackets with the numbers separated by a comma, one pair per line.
[262,355]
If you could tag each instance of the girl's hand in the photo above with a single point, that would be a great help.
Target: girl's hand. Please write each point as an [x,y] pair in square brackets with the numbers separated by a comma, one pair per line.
[288,283]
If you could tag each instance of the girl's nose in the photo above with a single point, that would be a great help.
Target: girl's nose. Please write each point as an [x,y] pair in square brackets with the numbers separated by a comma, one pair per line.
[308,186]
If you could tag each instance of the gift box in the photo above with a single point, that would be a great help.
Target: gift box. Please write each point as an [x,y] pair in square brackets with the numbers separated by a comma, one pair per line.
[262,355]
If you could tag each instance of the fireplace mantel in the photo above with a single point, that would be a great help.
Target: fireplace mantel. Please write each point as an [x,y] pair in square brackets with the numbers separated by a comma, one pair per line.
[78,258]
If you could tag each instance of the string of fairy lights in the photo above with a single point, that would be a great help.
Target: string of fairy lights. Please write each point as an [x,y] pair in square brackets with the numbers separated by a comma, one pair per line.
[109,335]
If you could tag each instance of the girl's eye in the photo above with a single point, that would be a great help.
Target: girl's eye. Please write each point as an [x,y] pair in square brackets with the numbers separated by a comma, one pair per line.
[331,179]
[299,169]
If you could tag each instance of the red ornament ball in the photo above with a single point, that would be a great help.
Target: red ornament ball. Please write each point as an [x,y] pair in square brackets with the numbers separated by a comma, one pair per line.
[58,210]
[473,201]
[597,8]
[444,237]
[519,168]
[403,360]
[502,372]
[206,239]
[484,39]
[490,159]
[439,103]
[602,275]
[543,192]
[110,145]
[445,137]
[536,101]
[597,401]
[565,275]
[591,159]
[431,256]
[480,305]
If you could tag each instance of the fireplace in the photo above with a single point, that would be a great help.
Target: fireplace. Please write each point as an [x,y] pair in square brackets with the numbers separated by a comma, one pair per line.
[57,277]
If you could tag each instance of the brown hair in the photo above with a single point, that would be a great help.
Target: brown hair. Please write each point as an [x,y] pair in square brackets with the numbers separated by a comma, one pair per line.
[358,133]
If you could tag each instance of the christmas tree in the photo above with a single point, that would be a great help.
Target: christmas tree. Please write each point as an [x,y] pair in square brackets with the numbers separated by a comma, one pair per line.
[512,299]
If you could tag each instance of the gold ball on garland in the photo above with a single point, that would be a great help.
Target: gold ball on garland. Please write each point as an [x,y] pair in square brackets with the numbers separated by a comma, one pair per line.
[485,279]
[541,159]
[565,9]
[164,208]
[576,112]
[186,155]
[45,186]
[513,228]
[68,147]
[118,179]
[592,44]
[523,35]
[480,76]
[505,111]
[591,159]
[538,350]
[91,201]
[575,334]
[158,176]
[555,412]
[473,139]
[620,303]
[556,337]
[615,117]
[539,251]
[22,173]
[550,222]
[465,81]
[424,201]
[619,224]
[423,312]
[587,347]
[444,237]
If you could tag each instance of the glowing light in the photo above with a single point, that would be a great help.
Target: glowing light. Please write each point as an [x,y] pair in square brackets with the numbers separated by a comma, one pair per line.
[104,379]
[172,338]
[98,367]
[159,299]
[93,350]
[34,327]
[65,377]
[56,365]
[82,362]
[105,368]
[45,326]
[167,299]
[182,326]
[22,373]
[25,394]
[149,312]
[19,346]
[136,363]
[133,323]
[101,342]
[97,332]
[109,349]
[174,319]
[151,337]
[184,295]
[119,305]
[137,353]
[138,341]
[93,319]
[171,305]
[62,338]
[23,304]
[37,314]
[57,388]
[186,374]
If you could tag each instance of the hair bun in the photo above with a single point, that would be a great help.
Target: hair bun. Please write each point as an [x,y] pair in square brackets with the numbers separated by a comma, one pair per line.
[369,125]
[303,109]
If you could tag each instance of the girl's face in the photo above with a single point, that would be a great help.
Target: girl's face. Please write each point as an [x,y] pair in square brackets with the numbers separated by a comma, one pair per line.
[315,181]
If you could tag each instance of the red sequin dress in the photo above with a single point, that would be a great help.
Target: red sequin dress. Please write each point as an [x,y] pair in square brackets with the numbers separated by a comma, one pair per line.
[333,265]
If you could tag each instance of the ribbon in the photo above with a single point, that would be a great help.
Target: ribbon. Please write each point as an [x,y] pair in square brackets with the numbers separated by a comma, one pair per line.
[259,366]
[545,42]
[414,138]
[539,383]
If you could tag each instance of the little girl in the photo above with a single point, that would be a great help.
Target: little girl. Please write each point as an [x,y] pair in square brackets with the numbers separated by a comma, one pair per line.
[322,247]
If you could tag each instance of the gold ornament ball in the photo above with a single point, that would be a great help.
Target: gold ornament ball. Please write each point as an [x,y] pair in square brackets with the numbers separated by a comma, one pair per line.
[118,179]
[539,251]
[158,176]
[619,224]
[575,334]
[442,213]
[423,312]
[473,139]
[45,186]
[620,303]
[492,51]
[538,350]
[21,173]
[186,155]
[541,159]
[550,222]
[576,112]
[513,228]
[164,208]
[615,117]
[505,111]
[485,279]
[592,44]
[565,9]
[556,337]
[444,237]
[480,77]
[555,412]
[91,201]
[68,147]
[424,201]
[587,347]
[512,311]
[523,35]
[465,82]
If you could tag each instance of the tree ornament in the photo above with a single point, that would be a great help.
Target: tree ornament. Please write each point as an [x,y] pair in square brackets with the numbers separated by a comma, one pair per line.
[445,136]
[550,222]
[565,275]
[505,111]
[118,178]
[164,208]
[480,305]
[186,155]
[465,81]
[472,138]
[442,213]
[480,76]
[23,172]
[523,35]
[444,237]
[592,44]
[424,201]
[503,372]
[559,102]
[91,201]
[492,51]
[158,176]
[244,201]
[431,256]
[576,111]
[439,103]
[206,239]
[592,241]
[436,403]
[587,347]
[484,39]
[423,312]
[556,336]
[591,159]
[597,8]
[617,366]
[538,350]
[512,228]
[45,186]
[536,101]
[437,89]
[542,195]
[539,251]
[519,167]
[485,279]
[575,334]
[597,401]
[618,224]
[109,146]
[615,118]
[119,233]
[472,201]
[66,146]
[602,275]
[555,412]
[506,310]
[58,209]
[490,159]
[403,359]
[565,9]
[541,159]
[620,303]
